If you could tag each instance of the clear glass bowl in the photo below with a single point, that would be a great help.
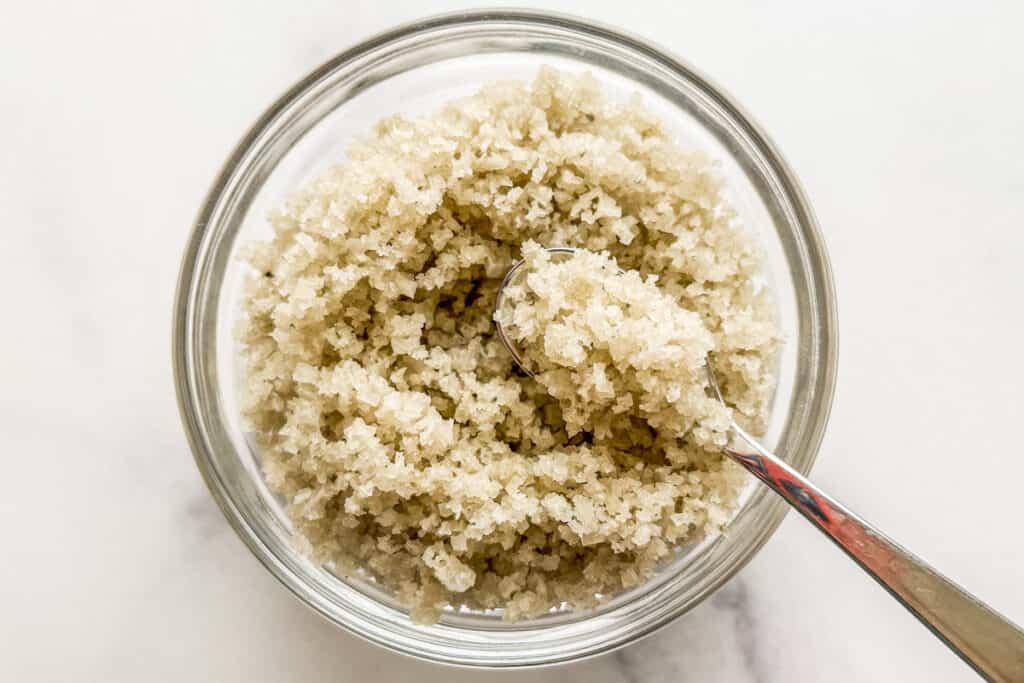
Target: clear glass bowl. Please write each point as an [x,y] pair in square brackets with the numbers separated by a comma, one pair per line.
[412,70]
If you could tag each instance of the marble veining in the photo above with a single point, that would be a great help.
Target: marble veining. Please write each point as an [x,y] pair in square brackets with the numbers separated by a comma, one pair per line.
[735,598]
[719,639]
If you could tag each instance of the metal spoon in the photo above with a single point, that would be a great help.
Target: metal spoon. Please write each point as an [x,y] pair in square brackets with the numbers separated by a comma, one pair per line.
[989,642]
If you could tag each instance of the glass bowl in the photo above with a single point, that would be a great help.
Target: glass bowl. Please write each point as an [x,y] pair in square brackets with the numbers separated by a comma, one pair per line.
[412,70]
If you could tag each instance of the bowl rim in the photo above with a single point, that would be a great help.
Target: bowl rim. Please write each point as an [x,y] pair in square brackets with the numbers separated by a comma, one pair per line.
[818,265]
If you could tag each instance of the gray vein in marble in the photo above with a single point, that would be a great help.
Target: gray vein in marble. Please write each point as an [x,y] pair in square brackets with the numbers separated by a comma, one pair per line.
[204,518]
[716,641]
[735,597]
[624,663]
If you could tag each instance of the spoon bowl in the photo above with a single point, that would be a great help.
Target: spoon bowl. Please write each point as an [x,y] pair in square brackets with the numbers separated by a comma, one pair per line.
[987,641]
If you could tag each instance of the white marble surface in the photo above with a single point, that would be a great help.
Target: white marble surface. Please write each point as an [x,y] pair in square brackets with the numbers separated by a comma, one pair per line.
[902,119]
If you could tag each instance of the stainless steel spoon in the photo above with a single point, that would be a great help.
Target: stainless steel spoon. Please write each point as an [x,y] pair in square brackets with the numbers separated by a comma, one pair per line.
[989,642]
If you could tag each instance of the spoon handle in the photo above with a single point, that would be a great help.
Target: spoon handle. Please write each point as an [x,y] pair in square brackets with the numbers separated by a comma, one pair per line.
[991,644]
